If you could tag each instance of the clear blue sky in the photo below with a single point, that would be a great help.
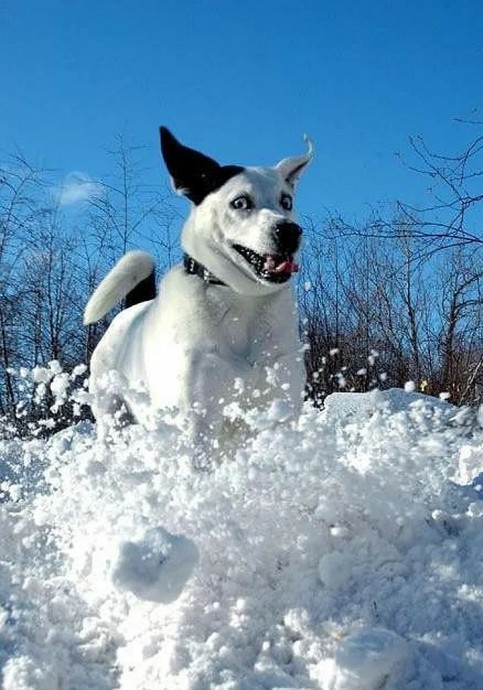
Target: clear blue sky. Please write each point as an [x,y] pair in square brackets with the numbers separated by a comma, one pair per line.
[243,81]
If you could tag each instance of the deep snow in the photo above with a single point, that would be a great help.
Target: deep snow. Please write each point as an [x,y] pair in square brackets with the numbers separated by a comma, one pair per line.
[338,552]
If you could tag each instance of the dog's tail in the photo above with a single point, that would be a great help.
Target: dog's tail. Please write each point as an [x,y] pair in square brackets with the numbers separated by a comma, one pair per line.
[132,277]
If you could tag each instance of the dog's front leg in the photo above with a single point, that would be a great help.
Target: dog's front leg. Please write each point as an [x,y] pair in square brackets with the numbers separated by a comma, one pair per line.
[212,382]
[286,376]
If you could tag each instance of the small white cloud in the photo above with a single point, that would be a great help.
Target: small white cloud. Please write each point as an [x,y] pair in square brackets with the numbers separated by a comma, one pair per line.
[78,187]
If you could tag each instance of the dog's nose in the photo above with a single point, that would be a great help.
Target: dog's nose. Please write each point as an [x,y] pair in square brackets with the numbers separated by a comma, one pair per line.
[287,236]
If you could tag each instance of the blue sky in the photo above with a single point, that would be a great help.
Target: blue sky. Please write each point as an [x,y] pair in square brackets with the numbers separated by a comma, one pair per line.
[243,81]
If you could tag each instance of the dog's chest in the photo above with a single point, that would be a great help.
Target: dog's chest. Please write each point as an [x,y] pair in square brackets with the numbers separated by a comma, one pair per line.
[243,325]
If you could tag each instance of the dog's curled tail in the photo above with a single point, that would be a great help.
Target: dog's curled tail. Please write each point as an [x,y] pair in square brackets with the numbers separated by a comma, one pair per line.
[134,268]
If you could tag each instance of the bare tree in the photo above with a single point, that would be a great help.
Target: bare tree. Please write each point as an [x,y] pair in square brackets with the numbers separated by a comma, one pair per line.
[384,312]
[51,260]
[20,185]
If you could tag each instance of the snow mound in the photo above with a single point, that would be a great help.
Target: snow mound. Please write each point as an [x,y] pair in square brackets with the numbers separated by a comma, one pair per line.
[366,660]
[335,552]
[156,567]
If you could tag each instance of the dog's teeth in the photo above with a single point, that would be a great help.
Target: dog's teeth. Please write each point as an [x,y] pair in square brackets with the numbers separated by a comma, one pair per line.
[269,264]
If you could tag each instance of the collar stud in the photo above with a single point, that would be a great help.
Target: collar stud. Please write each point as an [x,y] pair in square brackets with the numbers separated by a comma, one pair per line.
[193,267]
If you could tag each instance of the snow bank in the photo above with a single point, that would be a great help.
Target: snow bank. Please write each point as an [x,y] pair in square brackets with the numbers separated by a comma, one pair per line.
[339,552]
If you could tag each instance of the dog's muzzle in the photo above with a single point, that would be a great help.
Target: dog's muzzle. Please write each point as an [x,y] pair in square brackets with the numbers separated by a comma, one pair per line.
[276,267]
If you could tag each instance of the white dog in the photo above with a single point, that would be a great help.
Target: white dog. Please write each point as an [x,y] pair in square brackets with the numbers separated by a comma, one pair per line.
[223,327]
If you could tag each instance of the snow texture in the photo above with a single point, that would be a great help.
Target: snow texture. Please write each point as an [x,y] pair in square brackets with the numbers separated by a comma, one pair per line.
[156,567]
[341,551]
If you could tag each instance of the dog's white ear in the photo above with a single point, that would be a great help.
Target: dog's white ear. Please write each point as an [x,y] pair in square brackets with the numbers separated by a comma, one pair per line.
[194,174]
[290,169]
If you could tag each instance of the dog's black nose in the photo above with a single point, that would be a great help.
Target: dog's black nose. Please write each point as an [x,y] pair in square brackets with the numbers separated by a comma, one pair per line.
[287,236]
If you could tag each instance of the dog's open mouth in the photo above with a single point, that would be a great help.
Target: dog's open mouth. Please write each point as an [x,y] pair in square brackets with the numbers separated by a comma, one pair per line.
[275,268]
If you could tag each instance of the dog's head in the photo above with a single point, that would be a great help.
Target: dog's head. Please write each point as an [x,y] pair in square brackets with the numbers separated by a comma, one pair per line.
[241,227]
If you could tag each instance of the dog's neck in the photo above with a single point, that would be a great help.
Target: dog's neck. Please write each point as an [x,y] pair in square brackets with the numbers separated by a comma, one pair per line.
[193,267]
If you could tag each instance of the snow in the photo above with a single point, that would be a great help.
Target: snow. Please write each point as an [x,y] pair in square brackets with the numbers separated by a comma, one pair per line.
[156,567]
[341,551]
[366,660]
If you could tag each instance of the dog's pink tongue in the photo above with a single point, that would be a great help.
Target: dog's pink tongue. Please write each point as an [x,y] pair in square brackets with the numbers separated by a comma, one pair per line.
[273,264]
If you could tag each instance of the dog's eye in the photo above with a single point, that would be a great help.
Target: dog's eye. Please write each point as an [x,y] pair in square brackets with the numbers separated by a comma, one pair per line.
[286,202]
[242,203]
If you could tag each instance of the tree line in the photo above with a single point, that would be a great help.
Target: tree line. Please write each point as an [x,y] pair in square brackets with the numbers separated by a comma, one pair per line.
[395,298]
[398,298]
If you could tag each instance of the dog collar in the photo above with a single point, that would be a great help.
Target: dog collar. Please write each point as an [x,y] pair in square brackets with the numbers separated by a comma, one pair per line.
[194,268]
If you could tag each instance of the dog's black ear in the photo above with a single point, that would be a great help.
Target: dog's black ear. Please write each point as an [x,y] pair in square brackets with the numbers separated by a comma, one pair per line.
[194,174]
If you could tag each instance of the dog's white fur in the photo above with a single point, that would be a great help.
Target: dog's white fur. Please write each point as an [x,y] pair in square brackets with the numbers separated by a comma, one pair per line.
[199,346]
[130,270]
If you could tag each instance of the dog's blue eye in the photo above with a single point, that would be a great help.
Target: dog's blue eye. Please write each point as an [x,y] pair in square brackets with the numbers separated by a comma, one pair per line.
[286,202]
[242,203]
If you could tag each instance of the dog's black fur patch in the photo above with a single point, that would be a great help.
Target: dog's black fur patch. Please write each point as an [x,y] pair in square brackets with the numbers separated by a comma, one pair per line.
[193,173]
[144,291]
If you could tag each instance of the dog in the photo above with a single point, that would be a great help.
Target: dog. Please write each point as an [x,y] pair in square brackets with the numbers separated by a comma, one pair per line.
[223,328]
